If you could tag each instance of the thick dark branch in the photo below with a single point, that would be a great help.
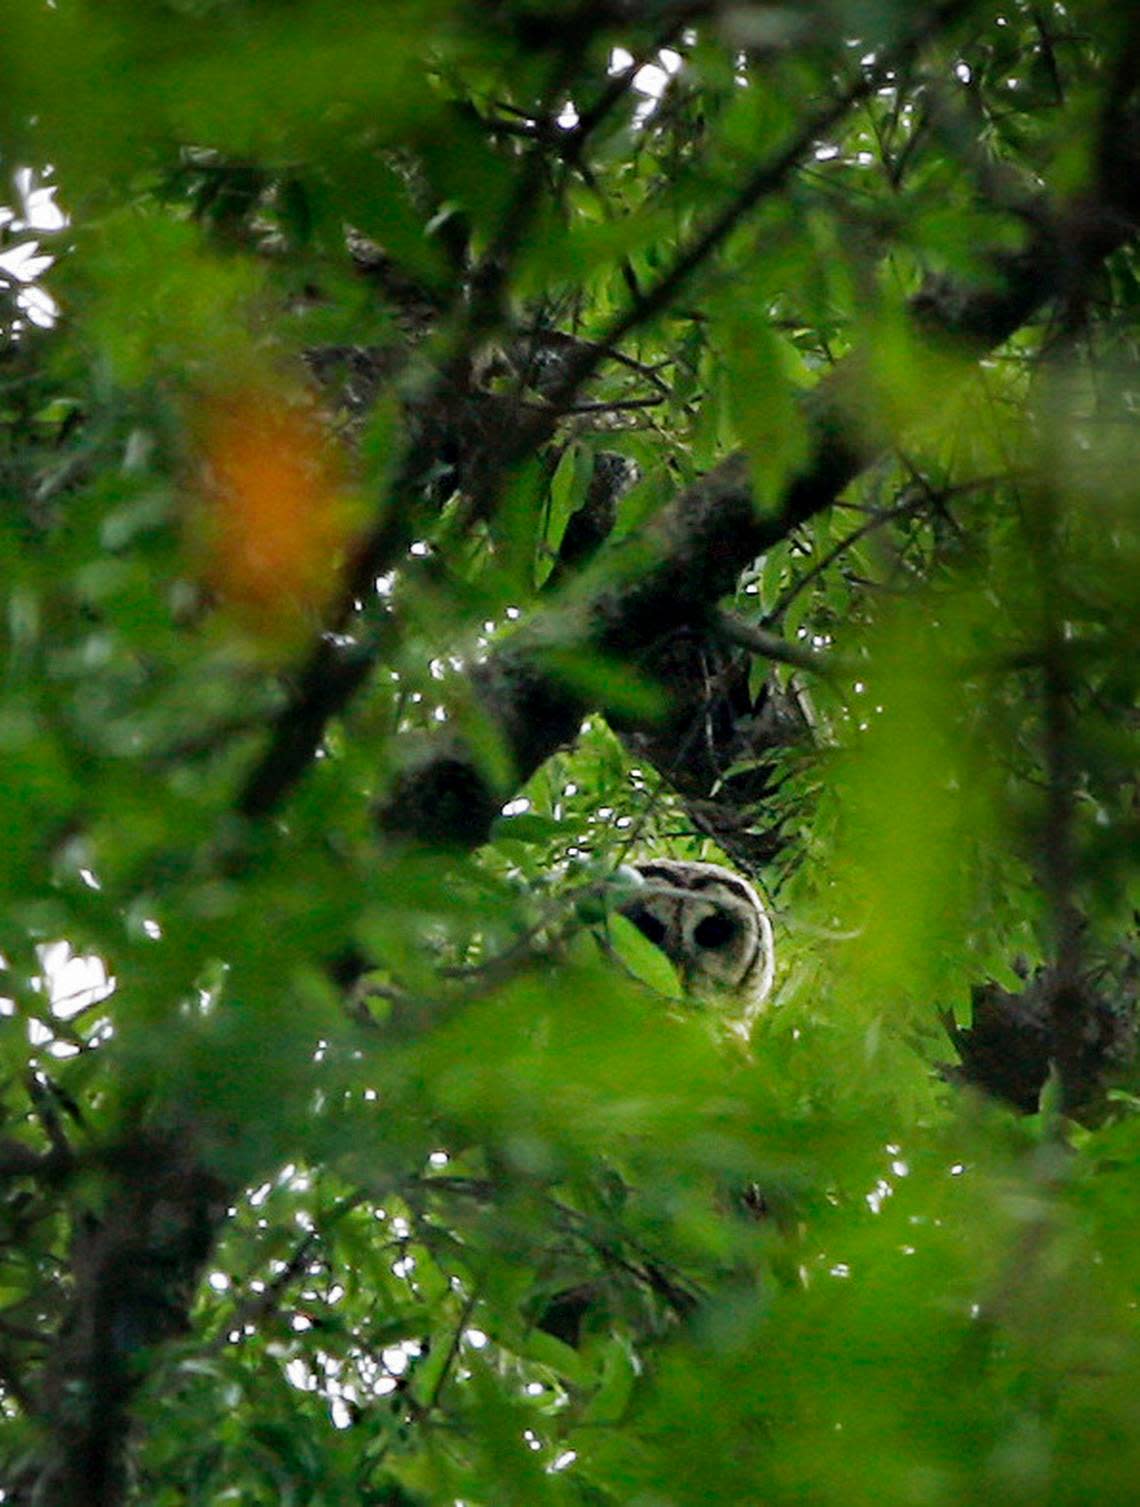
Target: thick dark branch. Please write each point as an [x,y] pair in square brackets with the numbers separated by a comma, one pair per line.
[134,1267]
[329,680]
[666,580]
[325,686]
[1013,1039]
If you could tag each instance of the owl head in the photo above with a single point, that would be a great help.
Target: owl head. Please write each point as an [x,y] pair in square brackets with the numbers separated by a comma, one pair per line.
[710,924]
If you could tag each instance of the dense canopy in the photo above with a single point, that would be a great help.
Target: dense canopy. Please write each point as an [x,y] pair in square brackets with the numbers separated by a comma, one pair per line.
[450,451]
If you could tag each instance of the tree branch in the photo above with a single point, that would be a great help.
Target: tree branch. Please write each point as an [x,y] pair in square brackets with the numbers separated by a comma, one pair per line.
[771,646]
[327,684]
[645,588]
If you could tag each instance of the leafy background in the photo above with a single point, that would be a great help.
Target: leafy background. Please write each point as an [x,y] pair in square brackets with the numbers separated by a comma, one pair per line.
[450,451]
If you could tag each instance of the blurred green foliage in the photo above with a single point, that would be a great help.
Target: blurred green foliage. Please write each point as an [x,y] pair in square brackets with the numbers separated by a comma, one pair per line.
[501,1218]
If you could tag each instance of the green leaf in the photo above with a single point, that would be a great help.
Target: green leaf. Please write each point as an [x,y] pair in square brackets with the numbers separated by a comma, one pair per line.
[765,409]
[568,488]
[557,1357]
[619,1373]
[644,961]
[528,826]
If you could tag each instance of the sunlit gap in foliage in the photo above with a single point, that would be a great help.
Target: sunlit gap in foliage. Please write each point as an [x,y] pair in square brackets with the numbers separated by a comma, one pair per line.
[440,667]
[71,983]
[23,263]
[650,81]
[346,1383]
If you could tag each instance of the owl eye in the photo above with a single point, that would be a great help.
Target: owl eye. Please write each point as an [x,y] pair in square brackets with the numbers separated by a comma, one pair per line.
[650,927]
[714,931]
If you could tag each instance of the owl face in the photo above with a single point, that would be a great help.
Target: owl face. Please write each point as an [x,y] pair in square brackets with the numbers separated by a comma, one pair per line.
[710,924]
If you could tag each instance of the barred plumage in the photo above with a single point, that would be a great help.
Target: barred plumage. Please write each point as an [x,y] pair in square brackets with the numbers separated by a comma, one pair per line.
[711,925]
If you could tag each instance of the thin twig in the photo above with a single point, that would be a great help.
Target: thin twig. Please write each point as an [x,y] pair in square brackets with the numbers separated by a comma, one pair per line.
[452,1352]
[619,405]
[780,650]
[878,518]
[258,1306]
[762,183]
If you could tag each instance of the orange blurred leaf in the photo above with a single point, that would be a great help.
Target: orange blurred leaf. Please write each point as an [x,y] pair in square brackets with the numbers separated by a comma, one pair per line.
[276,516]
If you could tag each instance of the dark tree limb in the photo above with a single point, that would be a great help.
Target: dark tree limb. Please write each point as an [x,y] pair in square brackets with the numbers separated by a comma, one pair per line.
[325,687]
[1014,1038]
[644,591]
[135,1265]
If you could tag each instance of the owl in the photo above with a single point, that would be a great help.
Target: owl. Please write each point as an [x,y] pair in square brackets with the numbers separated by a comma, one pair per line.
[710,924]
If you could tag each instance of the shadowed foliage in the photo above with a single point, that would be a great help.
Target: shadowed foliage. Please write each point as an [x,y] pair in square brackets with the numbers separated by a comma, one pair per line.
[453,454]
